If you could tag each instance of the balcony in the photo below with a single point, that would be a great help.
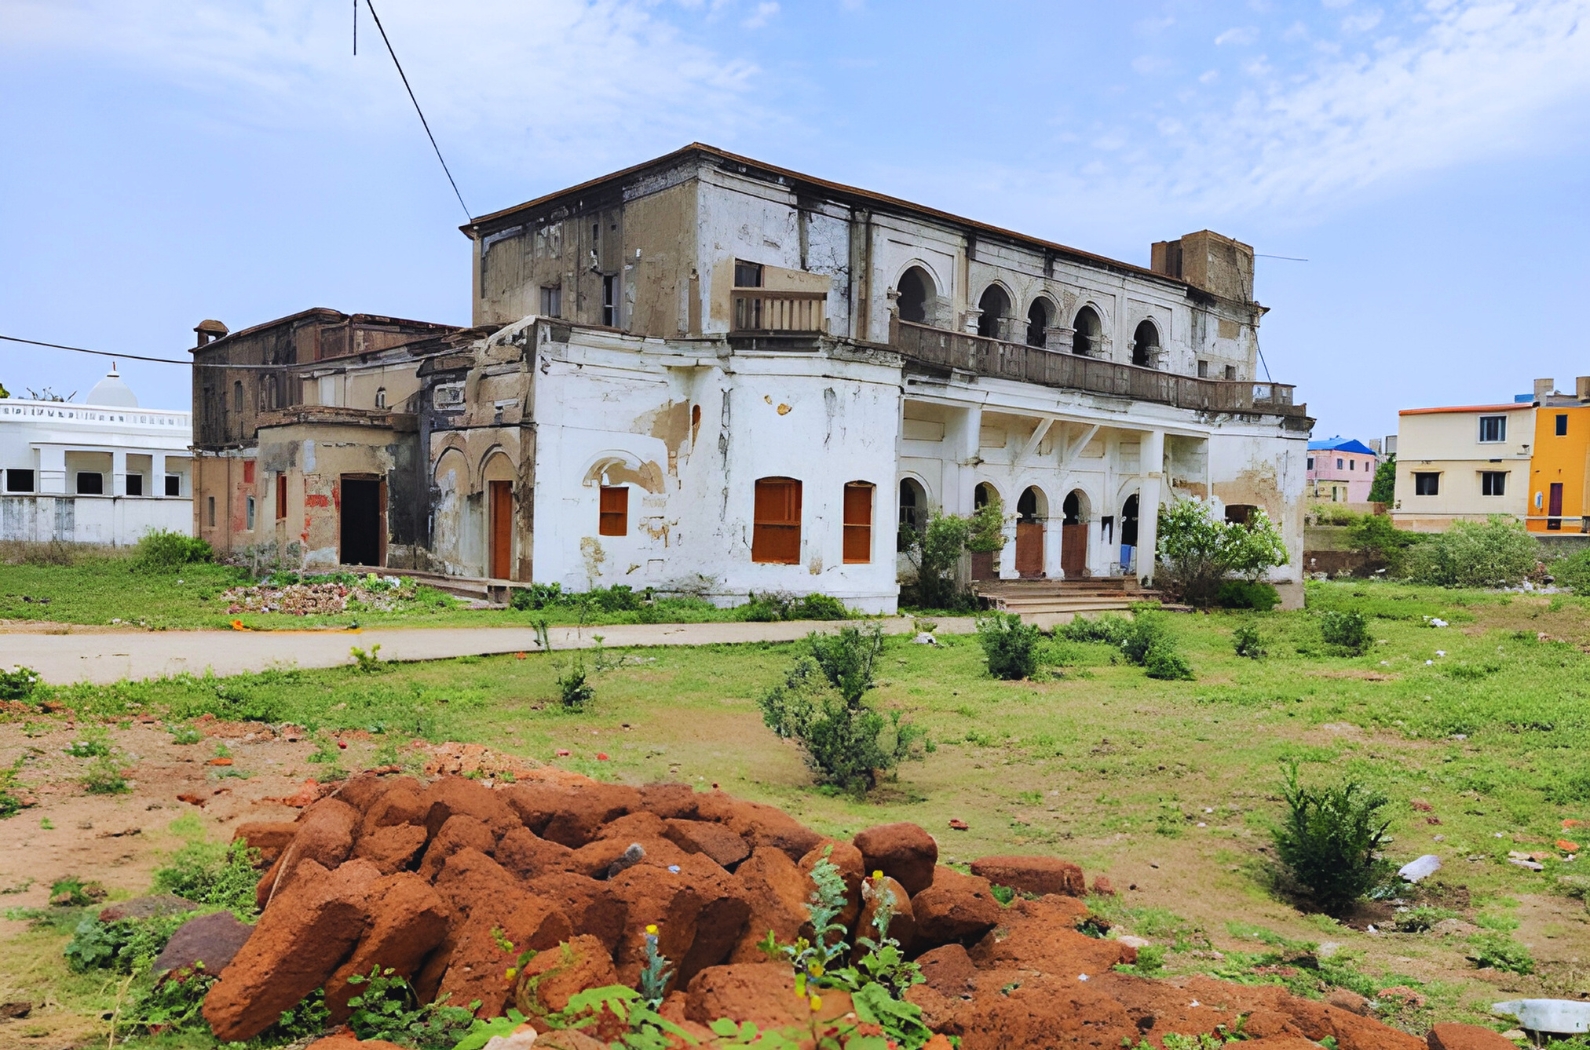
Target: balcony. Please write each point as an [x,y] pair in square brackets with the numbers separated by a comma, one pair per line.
[942,349]
[776,318]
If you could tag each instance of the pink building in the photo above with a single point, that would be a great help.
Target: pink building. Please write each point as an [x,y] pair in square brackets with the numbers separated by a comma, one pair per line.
[1340,470]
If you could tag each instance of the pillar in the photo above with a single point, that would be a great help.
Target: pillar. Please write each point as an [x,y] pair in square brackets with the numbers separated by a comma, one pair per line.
[118,472]
[157,475]
[52,470]
[1051,544]
[1153,460]
[1007,553]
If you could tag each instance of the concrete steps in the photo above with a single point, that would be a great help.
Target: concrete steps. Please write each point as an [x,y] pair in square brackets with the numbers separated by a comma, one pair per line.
[1055,601]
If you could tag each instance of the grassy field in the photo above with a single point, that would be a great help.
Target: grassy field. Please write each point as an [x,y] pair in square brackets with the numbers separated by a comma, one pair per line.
[1478,731]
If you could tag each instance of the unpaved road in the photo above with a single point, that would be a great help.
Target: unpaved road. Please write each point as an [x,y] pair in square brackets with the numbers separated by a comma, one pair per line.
[65,654]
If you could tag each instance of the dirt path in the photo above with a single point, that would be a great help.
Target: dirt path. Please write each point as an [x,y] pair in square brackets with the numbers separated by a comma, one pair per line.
[70,654]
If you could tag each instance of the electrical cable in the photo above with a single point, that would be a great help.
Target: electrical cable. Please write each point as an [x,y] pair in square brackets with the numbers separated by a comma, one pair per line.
[423,122]
[143,357]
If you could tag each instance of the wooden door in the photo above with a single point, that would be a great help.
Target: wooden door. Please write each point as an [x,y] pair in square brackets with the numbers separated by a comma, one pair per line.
[1554,507]
[983,565]
[1029,548]
[1073,550]
[501,493]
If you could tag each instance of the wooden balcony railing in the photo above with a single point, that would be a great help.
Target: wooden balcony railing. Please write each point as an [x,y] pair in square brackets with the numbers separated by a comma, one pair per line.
[992,357]
[757,310]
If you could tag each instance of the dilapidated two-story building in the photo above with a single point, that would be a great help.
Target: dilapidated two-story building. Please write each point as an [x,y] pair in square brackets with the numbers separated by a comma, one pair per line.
[711,374]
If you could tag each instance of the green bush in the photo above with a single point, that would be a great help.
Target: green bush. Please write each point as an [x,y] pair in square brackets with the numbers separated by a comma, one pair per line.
[1499,552]
[1384,487]
[1382,544]
[1573,571]
[127,945]
[386,1008]
[574,688]
[773,606]
[1248,642]
[821,704]
[18,684]
[1165,662]
[1108,628]
[537,596]
[1330,841]
[1497,950]
[1247,594]
[1146,629]
[171,1004]
[1197,552]
[162,550]
[821,607]
[210,873]
[1347,631]
[1010,646]
[935,551]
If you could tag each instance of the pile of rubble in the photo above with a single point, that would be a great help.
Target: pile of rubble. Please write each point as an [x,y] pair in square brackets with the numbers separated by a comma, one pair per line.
[382,593]
[449,882]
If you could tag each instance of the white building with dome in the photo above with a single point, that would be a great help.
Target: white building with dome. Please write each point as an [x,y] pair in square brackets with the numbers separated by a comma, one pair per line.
[104,470]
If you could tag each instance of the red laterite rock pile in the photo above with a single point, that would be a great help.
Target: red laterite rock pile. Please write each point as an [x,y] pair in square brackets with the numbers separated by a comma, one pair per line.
[438,880]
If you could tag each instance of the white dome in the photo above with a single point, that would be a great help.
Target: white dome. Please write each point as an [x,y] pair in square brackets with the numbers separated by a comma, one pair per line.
[112,391]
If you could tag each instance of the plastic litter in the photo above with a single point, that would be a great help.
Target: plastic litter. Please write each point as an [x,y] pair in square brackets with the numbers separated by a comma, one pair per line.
[1420,868]
[1556,1016]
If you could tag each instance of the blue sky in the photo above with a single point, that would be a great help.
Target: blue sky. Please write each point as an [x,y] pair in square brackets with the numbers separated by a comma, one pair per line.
[171,160]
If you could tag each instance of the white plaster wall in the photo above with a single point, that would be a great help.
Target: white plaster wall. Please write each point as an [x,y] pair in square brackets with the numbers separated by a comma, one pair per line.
[115,520]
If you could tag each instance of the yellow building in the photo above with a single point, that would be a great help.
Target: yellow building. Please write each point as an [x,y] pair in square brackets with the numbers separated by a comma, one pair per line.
[1559,469]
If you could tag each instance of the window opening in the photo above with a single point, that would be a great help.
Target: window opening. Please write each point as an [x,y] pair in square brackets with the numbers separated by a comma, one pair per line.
[135,484]
[1085,340]
[1231,372]
[209,511]
[913,511]
[994,304]
[1493,428]
[747,274]
[1027,506]
[248,513]
[1129,521]
[19,480]
[174,485]
[916,288]
[552,301]
[1203,369]
[1242,513]
[982,495]
[90,483]
[1493,482]
[1562,424]
[237,395]
[858,522]
[1311,463]
[380,397]
[610,300]
[1038,324]
[281,497]
[776,522]
[614,513]
[1426,484]
[1145,345]
[1071,510]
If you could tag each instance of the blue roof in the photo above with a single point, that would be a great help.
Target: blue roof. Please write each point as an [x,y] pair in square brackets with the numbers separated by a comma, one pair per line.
[1340,444]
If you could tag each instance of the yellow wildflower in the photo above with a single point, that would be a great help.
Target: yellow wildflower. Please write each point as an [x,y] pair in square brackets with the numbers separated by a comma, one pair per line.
[651,928]
[877,875]
[816,1003]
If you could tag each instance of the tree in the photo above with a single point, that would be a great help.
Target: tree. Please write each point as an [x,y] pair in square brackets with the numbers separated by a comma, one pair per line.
[1197,551]
[935,550]
[1384,489]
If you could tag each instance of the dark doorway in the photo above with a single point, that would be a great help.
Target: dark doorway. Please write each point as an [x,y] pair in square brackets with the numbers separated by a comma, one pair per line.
[995,306]
[1073,538]
[1129,533]
[361,521]
[983,561]
[1554,507]
[916,288]
[1029,535]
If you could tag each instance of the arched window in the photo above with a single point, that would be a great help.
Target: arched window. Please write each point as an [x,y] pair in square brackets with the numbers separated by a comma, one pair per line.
[1027,506]
[776,522]
[380,397]
[237,395]
[1129,521]
[1145,345]
[983,495]
[916,293]
[1089,328]
[995,305]
[913,511]
[1075,513]
[858,522]
[1039,317]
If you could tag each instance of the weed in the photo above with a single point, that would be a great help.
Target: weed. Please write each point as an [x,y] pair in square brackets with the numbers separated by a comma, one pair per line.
[105,777]
[1248,643]
[1010,646]
[20,683]
[1495,949]
[366,662]
[172,1003]
[185,734]
[386,1008]
[1164,661]
[1331,839]
[574,690]
[11,803]
[164,551]
[1347,632]
[1247,594]
[210,873]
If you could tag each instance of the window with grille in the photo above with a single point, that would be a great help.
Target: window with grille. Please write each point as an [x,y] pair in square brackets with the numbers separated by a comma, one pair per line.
[858,522]
[1493,428]
[614,516]
[1493,482]
[135,484]
[552,301]
[747,275]
[1426,484]
[776,522]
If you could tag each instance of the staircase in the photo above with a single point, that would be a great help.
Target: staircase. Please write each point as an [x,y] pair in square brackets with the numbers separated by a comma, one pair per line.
[1056,601]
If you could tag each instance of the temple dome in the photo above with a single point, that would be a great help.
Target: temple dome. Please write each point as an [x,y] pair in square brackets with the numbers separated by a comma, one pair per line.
[112,391]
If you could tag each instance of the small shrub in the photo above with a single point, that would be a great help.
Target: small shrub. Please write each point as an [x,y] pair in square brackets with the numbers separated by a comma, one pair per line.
[1248,594]
[1165,662]
[821,607]
[1499,552]
[185,734]
[210,873]
[1143,632]
[162,551]
[574,690]
[821,705]
[19,684]
[1330,839]
[127,946]
[1010,646]
[366,662]
[615,599]
[1497,950]
[1573,571]
[537,596]
[93,744]
[1109,629]
[171,1004]
[768,607]
[387,1008]
[1346,631]
[1248,642]
[1197,551]
[104,776]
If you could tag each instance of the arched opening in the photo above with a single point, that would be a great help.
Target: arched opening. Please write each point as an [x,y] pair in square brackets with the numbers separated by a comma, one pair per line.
[983,495]
[1074,534]
[983,561]
[1029,532]
[995,307]
[1129,533]
[1145,345]
[913,511]
[916,292]
[1086,340]
[1039,317]
[497,473]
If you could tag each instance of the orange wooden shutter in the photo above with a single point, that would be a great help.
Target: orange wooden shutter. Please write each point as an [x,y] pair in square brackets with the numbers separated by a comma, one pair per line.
[858,523]
[615,511]
[776,522]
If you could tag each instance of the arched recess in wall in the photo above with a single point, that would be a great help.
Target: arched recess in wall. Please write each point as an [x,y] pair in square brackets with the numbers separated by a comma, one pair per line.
[1146,345]
[984,494]
[617,467]
[1088,339]
[1040,317]
[918,295]
[1032,507]
[1129,516]
[995,306]
[913,501]
[1076,508]
[452,472]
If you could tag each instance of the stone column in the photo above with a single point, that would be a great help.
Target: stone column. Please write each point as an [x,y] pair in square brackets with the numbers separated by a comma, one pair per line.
[1058,339]
[1051,545]
[1007,553]
[1152,462]
[52,470]
[157,475]
[118,473]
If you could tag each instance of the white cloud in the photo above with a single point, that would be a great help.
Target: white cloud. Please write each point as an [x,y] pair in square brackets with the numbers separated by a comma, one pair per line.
[1237,35]
[572,86]
[1209,76]
[762,15]
[1148,65]
[1363,22]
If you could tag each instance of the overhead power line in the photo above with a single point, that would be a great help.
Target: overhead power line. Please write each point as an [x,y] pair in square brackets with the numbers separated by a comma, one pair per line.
[1287,258]
[142,357]
[423,122]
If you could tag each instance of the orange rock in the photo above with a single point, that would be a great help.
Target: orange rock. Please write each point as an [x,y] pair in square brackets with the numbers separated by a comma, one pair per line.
[1036,875]
[777,891]
[757,824]
[452,796]
[904,852]
[408,921]
[556,975]
[528,855]
[955,908]
[392,848]
[762,993]
[722,844]
[902,923]
[1467,1037]
[458,832]
[269,837]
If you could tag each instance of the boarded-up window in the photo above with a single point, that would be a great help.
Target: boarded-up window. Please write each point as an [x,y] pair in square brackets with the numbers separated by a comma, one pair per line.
[281,496]
[776,522]
[858,522]
[615,511]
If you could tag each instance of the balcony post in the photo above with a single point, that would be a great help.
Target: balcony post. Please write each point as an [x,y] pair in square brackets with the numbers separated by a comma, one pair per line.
[1152,457]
